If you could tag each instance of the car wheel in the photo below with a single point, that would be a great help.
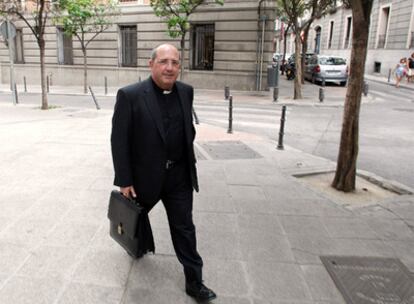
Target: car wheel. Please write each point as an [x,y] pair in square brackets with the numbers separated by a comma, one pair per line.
[313,79]
[343,83]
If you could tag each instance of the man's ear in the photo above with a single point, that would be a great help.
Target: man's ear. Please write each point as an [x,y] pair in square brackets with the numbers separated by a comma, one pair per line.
[150,63]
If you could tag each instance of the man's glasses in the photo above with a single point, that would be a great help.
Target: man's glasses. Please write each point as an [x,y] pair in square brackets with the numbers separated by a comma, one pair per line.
[174,63]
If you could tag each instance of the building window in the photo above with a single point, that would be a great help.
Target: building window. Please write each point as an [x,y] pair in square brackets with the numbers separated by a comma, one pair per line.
[331,29]
[318,32]
[348,32]
[202,42]
[64,47]
[412,40]
[128,37]
[18,47]
[383,27]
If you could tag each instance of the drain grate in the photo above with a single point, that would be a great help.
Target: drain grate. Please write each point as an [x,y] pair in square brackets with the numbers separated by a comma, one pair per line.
[229,150]
[366,280]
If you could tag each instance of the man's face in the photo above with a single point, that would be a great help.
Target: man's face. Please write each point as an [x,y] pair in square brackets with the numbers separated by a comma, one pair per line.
[165,67]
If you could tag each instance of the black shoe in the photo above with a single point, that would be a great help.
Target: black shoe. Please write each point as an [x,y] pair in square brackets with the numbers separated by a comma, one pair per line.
[199,291]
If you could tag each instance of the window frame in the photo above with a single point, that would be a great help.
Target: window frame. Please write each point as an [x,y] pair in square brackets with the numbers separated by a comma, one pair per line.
[195,55]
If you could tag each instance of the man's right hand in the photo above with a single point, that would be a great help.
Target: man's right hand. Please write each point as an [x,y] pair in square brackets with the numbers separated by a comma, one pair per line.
[129,192]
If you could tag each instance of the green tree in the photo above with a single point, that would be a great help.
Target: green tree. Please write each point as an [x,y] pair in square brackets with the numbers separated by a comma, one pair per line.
[176,13]
[299,14]
[319,8]
[85,19]
[36,20]
[345,174]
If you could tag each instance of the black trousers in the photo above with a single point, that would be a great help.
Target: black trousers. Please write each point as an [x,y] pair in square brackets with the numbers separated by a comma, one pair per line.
[177,197]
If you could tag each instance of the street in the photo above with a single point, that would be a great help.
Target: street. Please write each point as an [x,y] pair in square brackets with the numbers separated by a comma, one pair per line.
[386,120]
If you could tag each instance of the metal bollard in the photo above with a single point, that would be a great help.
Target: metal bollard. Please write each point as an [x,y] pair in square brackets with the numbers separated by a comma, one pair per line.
[197,122]
[139,79]
[282,129]
[323,82]
[17,95]
[94,99]
[365,88]
[226,92]
[389,75]
[275,93]
[47,83]
[230,129]
[106,85]
[24,82]
[321,94]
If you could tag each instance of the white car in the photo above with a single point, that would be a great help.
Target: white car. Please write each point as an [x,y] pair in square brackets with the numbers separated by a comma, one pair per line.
[324,68]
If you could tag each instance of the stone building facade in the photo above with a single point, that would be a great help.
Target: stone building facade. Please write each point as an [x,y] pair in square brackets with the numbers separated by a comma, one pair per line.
[391,34]
[226,45]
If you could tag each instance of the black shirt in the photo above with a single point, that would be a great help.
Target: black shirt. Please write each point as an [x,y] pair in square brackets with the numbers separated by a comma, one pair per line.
[173,121]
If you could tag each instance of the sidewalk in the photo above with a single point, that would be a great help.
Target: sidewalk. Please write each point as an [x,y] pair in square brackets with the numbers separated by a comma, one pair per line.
[260,229]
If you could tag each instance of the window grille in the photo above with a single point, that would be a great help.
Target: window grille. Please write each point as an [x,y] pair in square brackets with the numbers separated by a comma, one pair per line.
[128,45]
[203,47]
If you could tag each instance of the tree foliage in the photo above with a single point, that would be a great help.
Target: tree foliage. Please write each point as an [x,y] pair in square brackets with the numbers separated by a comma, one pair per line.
[80,17]
[176,13]
[40,12]
[299,14]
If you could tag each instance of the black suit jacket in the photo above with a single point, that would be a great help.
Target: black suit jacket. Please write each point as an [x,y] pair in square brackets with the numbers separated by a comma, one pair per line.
[138,139]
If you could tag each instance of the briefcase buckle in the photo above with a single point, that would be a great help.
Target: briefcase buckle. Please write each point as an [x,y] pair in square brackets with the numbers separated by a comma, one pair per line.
[120,230]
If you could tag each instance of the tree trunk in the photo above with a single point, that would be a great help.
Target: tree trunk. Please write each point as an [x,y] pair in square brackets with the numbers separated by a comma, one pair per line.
[182,44]
[298,84]
[304,49]
[41,43]
[345,174]
[85,71]
[284,48]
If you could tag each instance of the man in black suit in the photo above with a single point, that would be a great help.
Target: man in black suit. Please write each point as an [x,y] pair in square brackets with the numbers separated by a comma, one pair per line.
[153,155]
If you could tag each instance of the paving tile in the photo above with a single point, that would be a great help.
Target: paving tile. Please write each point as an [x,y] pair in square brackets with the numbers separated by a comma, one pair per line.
[163,242]
[307,225]
[136,295]
[254,206]
[48,261]
[216,222]
[153,269]
[279,281]
[106,268]
[72,234]
[3,278]
[260,223]
[246,192]
[214,203]
[349,228]
[307,250]
[87,215]
[306,207]
[219,245]
[29,290]
[391,229]
[259,246]
[320,284]
[226,277]
[90,294]
[404,250]
[28,232]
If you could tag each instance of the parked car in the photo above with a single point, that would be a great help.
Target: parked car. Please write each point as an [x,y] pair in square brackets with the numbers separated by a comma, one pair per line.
[325,68]
[290,67]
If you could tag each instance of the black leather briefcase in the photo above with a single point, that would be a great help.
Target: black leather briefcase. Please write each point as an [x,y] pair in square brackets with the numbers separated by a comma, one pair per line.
[129,225]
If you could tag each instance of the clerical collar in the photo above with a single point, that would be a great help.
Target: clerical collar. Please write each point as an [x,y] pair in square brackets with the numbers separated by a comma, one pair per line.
[162,91]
